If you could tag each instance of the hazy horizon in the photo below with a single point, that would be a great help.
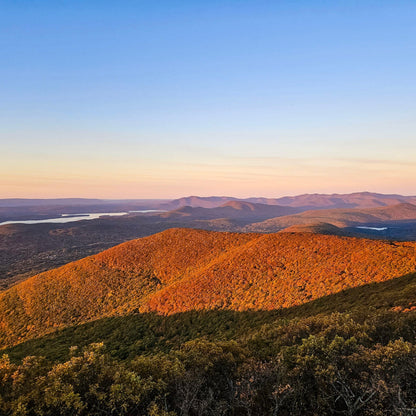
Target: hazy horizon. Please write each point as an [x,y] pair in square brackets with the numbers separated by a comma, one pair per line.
[145,100]
[242,197]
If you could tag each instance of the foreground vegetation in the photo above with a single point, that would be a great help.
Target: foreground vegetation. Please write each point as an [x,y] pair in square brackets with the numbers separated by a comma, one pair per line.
[353,353]
[323,365]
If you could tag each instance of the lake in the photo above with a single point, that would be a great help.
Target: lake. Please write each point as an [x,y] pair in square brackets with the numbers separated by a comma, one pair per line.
[76,217]
[373,228]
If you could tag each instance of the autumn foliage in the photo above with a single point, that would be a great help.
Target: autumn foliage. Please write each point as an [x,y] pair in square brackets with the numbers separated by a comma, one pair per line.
[182,269]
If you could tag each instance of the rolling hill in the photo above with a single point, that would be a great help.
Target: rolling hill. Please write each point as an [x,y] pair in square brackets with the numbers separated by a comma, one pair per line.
[182,269]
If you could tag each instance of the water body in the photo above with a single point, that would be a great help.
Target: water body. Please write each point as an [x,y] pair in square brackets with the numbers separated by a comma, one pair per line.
[373,228]
[76,217]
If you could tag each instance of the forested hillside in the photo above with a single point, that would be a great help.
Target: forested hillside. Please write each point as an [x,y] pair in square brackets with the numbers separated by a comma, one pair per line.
[182,270]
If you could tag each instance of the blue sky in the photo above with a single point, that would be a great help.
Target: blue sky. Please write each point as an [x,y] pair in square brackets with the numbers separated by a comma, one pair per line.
[164,99]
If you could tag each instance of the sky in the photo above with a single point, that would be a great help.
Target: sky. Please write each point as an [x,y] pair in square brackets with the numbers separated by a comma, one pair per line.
[163,99]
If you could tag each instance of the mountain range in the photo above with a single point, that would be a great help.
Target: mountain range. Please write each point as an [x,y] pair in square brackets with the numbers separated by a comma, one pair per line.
[21,209]
[305,201]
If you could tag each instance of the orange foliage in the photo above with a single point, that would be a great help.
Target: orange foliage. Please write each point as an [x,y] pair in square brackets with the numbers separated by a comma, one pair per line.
[183,269]
[283,270]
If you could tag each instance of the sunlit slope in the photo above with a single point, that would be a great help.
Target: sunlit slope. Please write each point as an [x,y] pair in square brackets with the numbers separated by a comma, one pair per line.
[183,269]
[283,270]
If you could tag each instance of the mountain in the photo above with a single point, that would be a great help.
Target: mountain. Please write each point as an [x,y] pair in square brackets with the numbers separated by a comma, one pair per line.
[231,210]
[259,208]
[182,269]
[353,200]
[283,270]
[340,217]
[304,202]
[197,201]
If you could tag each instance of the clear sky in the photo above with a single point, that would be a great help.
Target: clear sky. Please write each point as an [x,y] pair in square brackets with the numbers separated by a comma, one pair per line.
[136,99]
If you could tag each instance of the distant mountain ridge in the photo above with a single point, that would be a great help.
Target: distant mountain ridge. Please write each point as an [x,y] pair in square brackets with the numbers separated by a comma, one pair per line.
[305,201]
[198,201]
[353,200]
[232,210]
[21,208]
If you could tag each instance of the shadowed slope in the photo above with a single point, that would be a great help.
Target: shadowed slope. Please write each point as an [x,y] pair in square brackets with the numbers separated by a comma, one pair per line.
[127,336]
